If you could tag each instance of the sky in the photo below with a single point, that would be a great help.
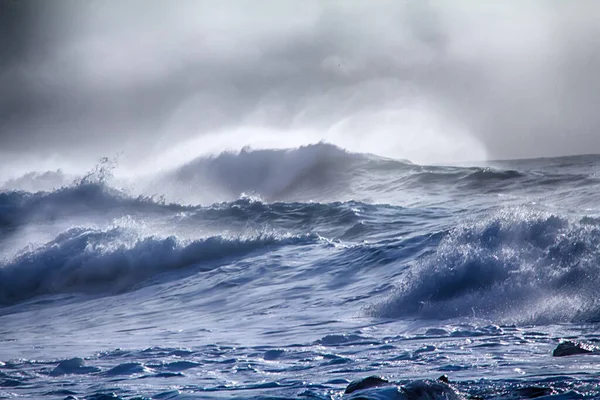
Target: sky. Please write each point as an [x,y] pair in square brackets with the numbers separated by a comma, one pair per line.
[161,82]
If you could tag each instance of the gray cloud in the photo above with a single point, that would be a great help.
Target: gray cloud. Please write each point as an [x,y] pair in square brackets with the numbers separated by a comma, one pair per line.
[87,78]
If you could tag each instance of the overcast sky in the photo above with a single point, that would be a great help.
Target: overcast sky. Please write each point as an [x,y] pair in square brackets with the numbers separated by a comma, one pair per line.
[430,81]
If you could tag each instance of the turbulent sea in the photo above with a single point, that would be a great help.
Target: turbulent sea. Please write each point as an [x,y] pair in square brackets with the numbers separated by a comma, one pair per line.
[291,273]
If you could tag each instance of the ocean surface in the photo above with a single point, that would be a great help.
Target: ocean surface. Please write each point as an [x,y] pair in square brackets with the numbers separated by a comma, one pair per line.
[291,273]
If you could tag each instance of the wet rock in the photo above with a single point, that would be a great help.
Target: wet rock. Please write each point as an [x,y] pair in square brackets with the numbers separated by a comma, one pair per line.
[368,382]
[430,390]
[375,387]
[570,347]
[531,392]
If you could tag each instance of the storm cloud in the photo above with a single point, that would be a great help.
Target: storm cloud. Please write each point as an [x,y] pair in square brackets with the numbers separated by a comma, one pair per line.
[431,81]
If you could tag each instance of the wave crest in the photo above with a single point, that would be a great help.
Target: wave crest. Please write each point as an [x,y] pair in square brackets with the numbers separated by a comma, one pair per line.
[314,170]
[516,267]
[19,207]
[90,260]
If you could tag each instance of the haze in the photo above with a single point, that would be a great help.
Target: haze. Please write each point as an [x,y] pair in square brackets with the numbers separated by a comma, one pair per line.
[162,82]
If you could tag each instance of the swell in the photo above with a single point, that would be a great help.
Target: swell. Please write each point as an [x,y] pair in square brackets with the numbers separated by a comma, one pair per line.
[320,172]
[324,171]
[84,260]
[314,171]
[19,207]
[524,267]
[101,201]
[482,179]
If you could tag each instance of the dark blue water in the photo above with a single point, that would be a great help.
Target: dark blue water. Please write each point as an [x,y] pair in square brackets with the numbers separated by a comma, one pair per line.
[284,274]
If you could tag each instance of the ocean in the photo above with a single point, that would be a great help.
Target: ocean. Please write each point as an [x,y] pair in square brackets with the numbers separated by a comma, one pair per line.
[272,274]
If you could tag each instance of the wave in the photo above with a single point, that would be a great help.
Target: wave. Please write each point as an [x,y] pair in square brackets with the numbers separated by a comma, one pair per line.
[246,208]
[19,207]
[522,267]
[325,172]
[87,203]
[273,174]
[478,178]
[83,260]
[99,200]
[319,172]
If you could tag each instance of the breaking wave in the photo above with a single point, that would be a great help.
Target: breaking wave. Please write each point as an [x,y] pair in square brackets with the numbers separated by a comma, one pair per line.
[318,169]
[20,207]
[90,261]
[523,267]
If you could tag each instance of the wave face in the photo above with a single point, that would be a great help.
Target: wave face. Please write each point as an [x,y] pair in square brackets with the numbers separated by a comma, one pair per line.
[314,171]
[291,273]
[326,173]
[86,260]
[20,207]
[515,267]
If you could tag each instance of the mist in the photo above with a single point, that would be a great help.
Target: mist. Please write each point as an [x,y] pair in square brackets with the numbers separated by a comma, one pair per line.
[161,83]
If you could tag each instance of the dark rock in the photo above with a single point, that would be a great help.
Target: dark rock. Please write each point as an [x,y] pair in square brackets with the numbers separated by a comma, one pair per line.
[569,348]
[531,392]
[444,378]
[369,382]
[375,387]
[430,390]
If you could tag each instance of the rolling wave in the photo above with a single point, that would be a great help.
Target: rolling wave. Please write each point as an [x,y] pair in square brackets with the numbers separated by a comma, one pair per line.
[521,267]
[324,172]
[19,207]
[84,260]
[321,172]
[85,200]
[315,170]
